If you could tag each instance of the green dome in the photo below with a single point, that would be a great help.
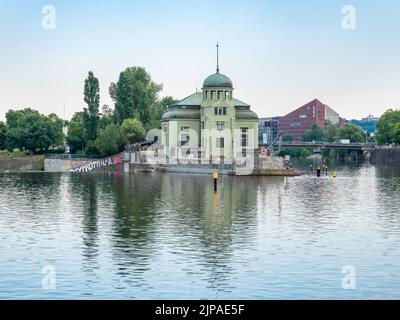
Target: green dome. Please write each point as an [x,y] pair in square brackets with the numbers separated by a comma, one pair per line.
[217,80]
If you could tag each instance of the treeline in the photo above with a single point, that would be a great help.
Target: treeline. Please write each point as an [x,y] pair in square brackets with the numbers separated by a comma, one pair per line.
[330,134]
[137,109]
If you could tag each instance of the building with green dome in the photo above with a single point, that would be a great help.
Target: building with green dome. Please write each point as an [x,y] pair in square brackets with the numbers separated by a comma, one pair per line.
[210,124]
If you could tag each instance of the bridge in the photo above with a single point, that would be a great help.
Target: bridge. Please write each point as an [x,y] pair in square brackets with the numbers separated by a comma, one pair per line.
[354,146]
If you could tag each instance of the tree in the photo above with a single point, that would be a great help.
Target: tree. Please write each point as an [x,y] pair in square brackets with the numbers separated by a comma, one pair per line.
[54,127]
[287,137]
[106,117]
[134,95]
[76,137]
[29,130]
[109,140]
[396,133]
[351,132]
[330,133]
[3,135]
[132,131]
[386,127]
[92,99]
[157,110]
[315,133]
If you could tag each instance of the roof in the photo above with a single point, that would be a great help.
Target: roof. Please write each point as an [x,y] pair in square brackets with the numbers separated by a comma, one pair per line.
[246,114]
[196,100]
[181,114]
[217,80]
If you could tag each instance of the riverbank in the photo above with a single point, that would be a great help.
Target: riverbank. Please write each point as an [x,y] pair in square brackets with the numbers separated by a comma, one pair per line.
[14,162]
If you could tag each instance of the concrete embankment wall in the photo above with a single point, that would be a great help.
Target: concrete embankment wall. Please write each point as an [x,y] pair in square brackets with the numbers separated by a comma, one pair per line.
[34,163]
[386,156]
[64,165]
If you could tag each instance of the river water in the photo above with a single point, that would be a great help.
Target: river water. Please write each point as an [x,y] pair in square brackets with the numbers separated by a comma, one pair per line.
[168,236]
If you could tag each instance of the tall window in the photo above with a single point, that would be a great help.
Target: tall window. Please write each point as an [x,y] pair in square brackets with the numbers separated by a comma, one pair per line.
[184,135]
[220,125]
[244,137]
[220,142]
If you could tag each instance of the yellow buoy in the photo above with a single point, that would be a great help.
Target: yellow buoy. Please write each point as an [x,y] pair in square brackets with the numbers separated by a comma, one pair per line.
[334,174]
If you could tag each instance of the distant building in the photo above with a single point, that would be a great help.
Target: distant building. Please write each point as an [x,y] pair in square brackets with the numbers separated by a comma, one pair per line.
[297,122]
[268,129]
[367,124]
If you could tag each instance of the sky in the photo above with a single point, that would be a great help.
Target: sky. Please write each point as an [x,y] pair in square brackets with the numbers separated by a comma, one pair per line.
[279,54]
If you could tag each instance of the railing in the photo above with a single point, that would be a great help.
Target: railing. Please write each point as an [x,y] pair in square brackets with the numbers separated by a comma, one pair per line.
[71,156]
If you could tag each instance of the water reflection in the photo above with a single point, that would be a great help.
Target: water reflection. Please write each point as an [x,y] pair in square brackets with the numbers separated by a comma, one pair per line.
[170,236]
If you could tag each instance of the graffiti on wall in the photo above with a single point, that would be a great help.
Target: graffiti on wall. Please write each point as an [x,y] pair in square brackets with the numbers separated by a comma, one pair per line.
[86,167]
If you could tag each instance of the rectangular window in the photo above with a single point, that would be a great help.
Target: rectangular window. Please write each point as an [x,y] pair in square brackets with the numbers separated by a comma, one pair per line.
[220,125]
[220,142]
[202,125]
[219,95]
[224,111]
[244,137]
[227,95]
[184,135]
[215,110]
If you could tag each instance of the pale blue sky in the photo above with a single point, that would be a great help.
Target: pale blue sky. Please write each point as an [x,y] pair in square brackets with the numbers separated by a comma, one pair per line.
[279,54]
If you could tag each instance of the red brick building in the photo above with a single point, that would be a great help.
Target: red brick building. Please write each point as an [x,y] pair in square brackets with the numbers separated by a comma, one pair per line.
[297,122]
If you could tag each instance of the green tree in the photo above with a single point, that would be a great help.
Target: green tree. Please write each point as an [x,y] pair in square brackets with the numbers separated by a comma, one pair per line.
[134,94]
[109,140]
[92,99]
[330,133]
[315,133]
[54,128]
[106,117]
[386,127]
[351,132]
[157,110]
[76,137]
[132,131]
[396,133]
[3,135]
[29,130]
[287,137]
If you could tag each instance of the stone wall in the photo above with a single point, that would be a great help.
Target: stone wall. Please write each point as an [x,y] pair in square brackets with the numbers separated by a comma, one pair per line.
[34,163]
[386,156]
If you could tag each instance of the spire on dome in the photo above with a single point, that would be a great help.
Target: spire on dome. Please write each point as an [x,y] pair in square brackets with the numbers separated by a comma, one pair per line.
[217,57]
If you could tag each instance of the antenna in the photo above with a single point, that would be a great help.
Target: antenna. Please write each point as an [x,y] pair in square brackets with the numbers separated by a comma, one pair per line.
[217,57]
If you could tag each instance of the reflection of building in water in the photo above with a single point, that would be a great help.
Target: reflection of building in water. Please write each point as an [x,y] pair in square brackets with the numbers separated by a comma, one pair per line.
[214,224]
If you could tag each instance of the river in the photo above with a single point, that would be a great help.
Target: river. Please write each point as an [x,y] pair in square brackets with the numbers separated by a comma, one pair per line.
[168,236]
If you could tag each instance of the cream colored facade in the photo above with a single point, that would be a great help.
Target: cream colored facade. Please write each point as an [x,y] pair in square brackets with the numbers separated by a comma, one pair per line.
[211,125]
